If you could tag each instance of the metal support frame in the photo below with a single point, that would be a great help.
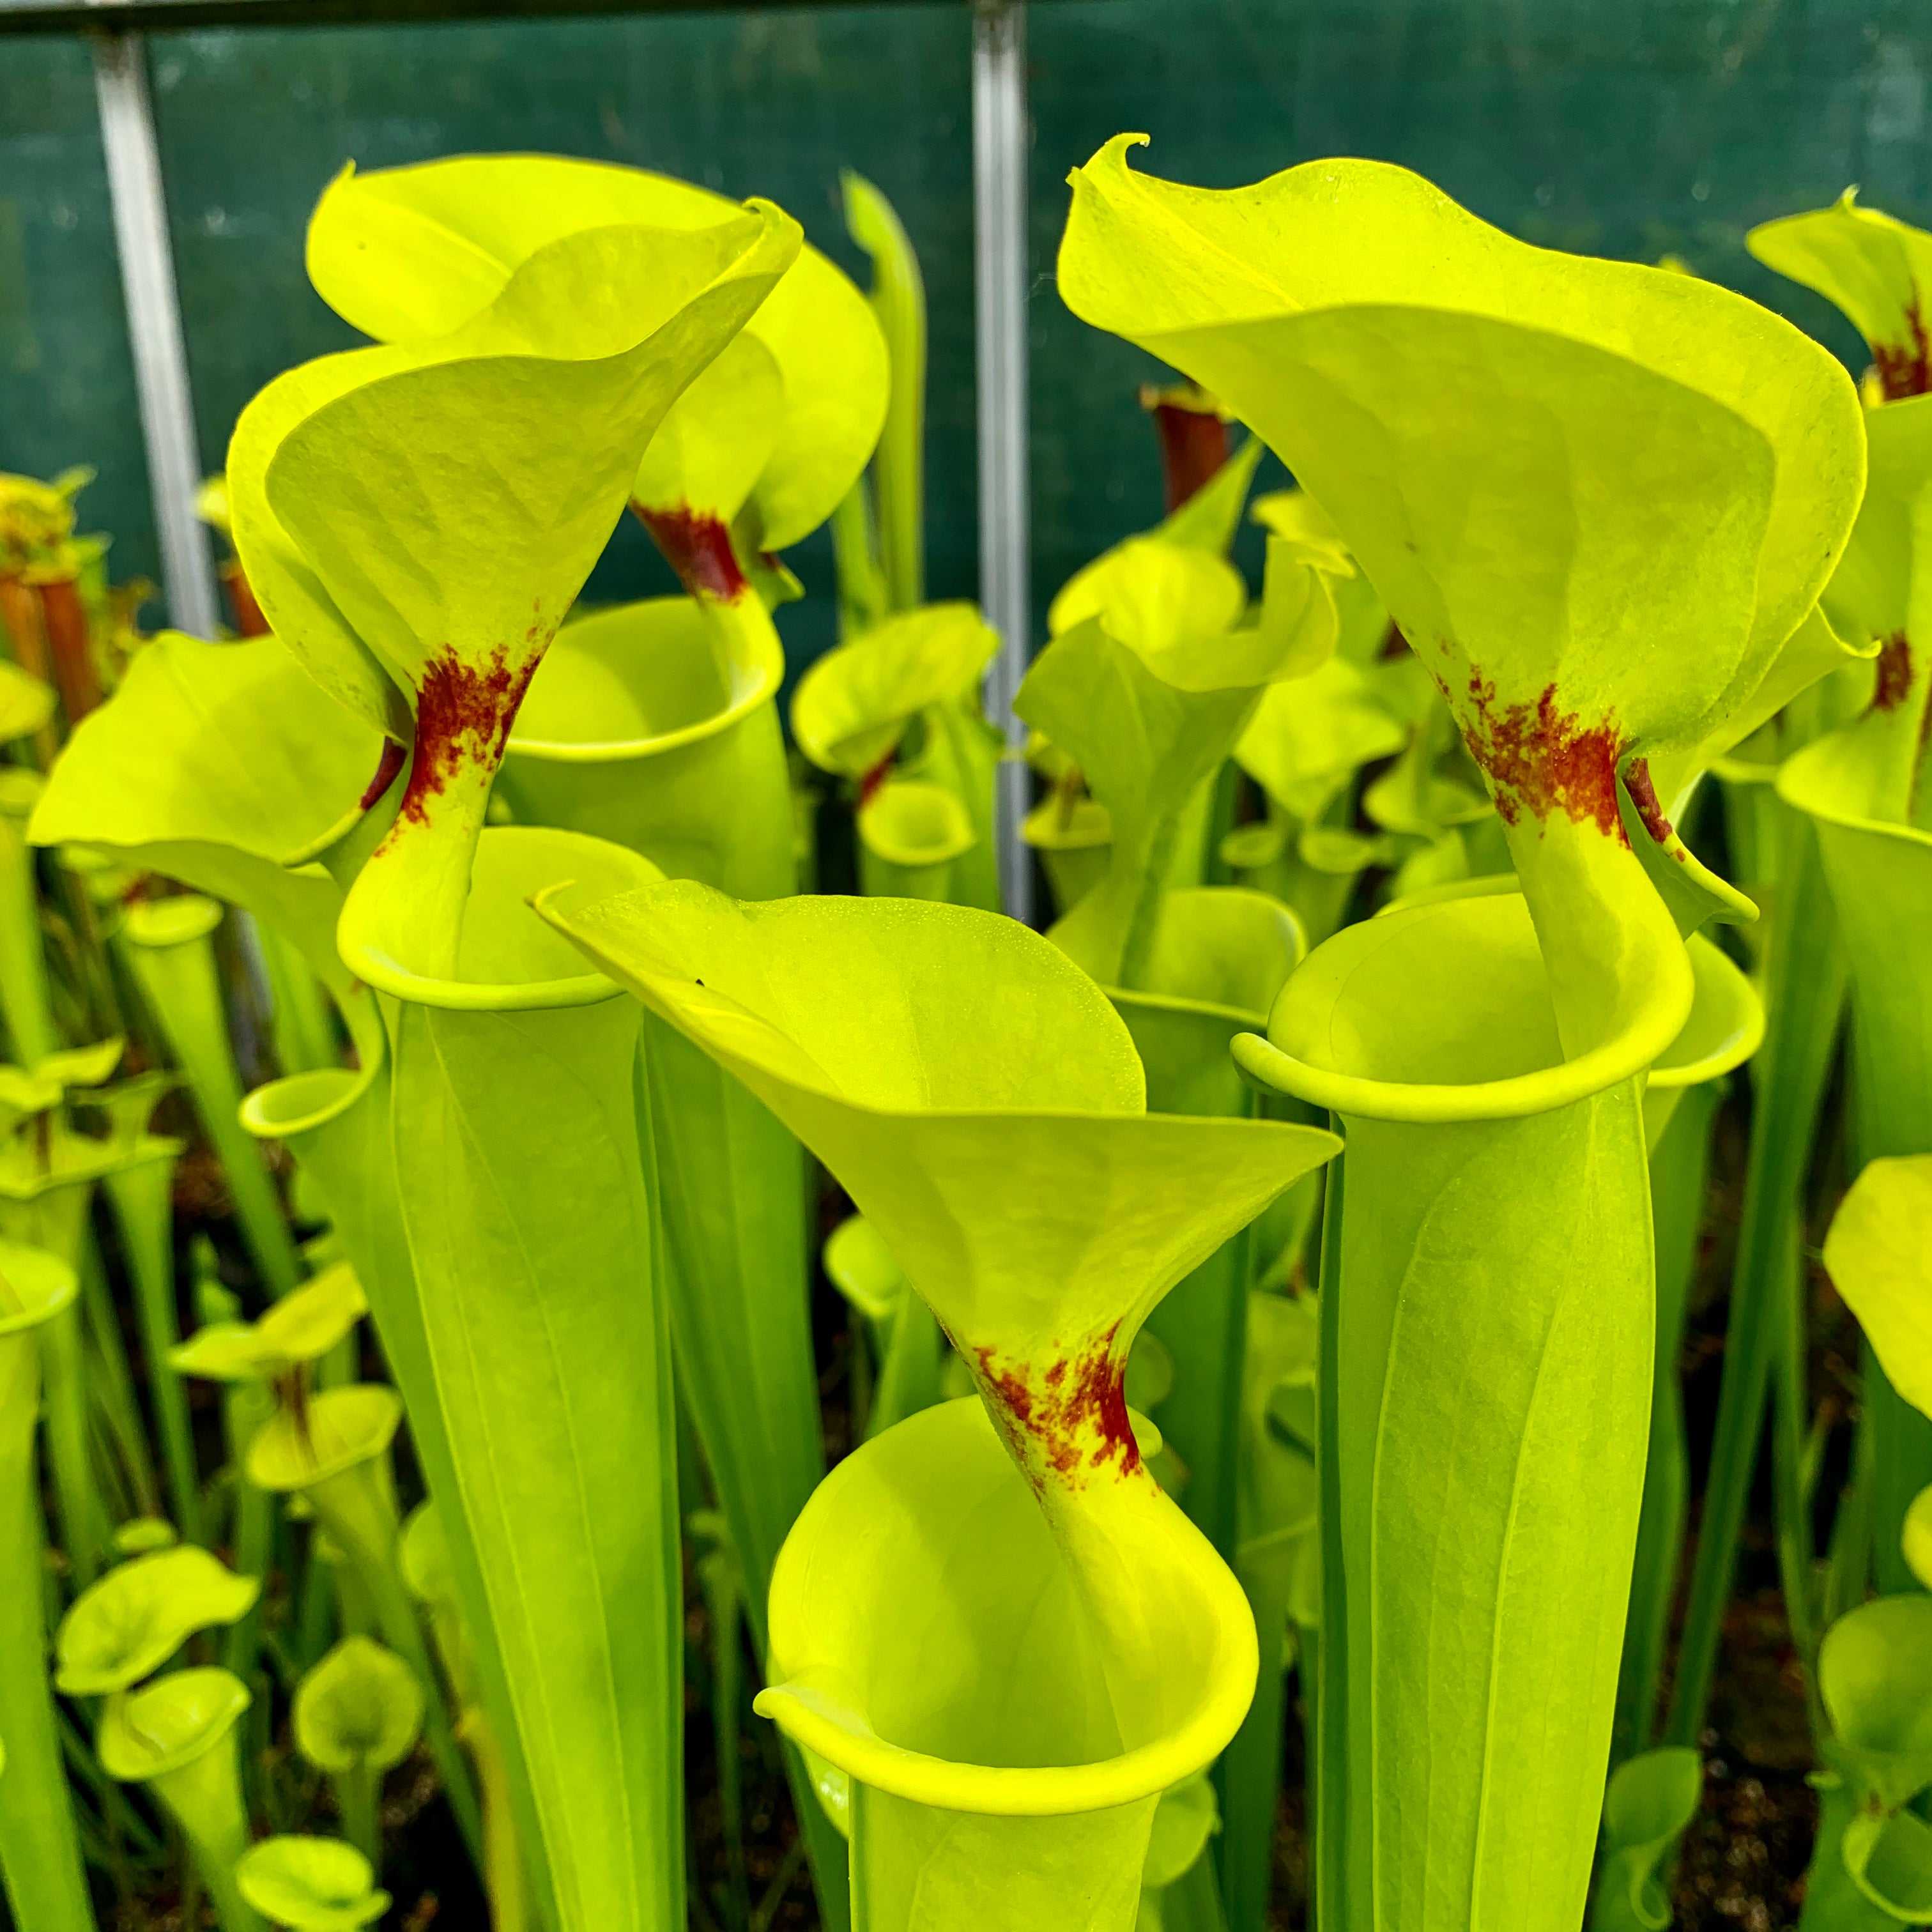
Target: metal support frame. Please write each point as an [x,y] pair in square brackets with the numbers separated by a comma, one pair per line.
[155,328]
[1001,143]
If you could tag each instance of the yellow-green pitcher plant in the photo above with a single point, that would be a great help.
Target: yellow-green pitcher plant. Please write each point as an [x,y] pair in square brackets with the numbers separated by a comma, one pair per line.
[1598,499]
[425,610]
[40,1854]
[1097,1650]
[1871,1865]
[1861,786]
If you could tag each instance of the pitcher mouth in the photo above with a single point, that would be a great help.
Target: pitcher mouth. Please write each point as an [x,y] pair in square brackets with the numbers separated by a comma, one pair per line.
[1305,1055]
[823,1704]
[505,882]
[748,681]
[822,1723]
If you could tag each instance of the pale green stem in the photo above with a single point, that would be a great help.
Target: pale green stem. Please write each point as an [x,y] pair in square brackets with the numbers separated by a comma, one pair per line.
[1848,1564]
[142,1197]
[1149,888]
[357,1793]
[23,966]
[245,1407]
[861,587]
[503,1873]
[899,301]
[966,768]
[205,1795]
[909,1379]
[40,1852]
[356,1510]
[1804,993]
[305,1033]
[56,1218]
[86,1531]
[721,1600]
[183,993]
[337,1125]
[111,1383]
[1679,1168]
[1328,1780]
[1891,1115]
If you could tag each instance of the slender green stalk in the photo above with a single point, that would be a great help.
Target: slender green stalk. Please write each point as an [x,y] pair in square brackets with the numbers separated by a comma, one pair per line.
[898,464]
[40,1853]
[862,584]
[1848,1559]
[717,1577]
[503,1871]
[305,1032]
[909,1378]
[356,1506]
[1792,1476]
[178,1735]
[336,1124]
[1679,1166]
[166,945]
[23,967]
[1280,1507]
[142,1193]
[711,803]
[245,1407]
[1805,992]
[356,1794]
[111,1383]
[54,1216]
[524,1188]
[1891,1113]
[1327,1685]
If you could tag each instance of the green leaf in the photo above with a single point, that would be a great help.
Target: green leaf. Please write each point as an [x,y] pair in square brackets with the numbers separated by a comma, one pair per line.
[1877,269]
[919,1049]
[312,1884]
[1890,1860]
[128,1624]
[853,705]
[1875,1676]
[213,763]
[899,301]
[360,1709]
[1878,1254]
[1308,736]
[408,254]
[1918,1537]
[861,1267]
[1557,471]
[34,1286]
[167,1727]
[449,578]
[301,1328]
[341,1429]
[1652,1798]
[26,703]
[1145,746]
[1185,1818]
[1172,603]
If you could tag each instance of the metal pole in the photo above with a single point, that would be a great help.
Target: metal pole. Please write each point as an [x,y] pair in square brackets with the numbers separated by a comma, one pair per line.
[155,328]
[1000,144]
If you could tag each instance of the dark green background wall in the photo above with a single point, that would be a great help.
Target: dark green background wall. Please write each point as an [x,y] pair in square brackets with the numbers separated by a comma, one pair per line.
[1618,127]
